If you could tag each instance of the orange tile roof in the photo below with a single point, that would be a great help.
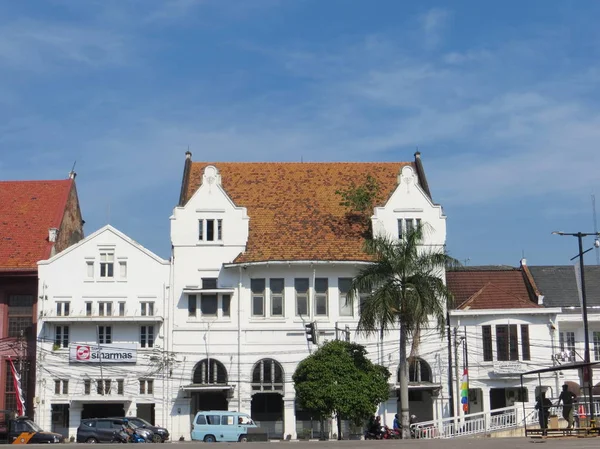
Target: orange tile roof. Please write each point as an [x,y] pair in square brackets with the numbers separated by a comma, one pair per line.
[494,289]
[27,210]
[293,209]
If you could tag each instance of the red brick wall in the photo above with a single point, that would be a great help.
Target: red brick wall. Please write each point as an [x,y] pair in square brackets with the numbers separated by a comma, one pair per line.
[12,284]
[71,228]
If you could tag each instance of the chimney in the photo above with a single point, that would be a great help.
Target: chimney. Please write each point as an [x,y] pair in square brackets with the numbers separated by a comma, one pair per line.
[52,234]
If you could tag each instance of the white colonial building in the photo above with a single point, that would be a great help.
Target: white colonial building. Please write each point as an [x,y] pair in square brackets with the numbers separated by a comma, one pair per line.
[260,250]
[101,334]
[500,332]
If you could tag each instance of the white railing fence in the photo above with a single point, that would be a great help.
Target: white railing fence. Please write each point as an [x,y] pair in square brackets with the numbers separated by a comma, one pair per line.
[476,423]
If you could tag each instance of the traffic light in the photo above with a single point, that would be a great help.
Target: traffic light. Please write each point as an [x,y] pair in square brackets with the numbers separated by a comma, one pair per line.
[311,332]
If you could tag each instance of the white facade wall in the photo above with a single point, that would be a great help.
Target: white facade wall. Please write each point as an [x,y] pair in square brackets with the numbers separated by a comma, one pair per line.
[240,340]
[67,278]
[494,375]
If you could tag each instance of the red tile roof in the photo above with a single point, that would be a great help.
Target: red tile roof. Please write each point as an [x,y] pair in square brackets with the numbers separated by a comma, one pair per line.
[480,289]
[294,211]
[27,210]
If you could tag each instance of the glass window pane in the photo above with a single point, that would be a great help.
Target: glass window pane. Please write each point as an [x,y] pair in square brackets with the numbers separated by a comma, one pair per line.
[226,299]
[258,305]
[210,230]
[257,285]
[277,305]
[208,304]
[276,285]
[321,285]
[301,285]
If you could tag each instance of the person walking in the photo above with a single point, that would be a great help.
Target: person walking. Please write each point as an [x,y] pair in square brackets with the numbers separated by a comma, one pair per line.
[543,405]
[567,398]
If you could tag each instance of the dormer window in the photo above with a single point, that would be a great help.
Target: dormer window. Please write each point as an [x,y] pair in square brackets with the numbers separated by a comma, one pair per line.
[210,230]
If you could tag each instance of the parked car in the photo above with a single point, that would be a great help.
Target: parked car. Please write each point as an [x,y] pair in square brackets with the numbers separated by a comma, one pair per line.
[218,425]
[101,430]
[160,433]
[22,430]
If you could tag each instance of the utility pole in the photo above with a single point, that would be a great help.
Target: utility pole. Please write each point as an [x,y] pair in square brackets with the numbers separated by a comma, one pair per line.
[457,379]
[450,387]
[467,370]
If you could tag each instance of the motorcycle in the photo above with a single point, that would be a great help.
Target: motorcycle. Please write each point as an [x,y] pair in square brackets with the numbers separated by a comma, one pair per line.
[373,435]
[390,434]
[121,436]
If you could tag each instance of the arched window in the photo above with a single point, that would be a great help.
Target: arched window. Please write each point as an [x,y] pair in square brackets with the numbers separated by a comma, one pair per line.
[267,375]
[210,371]
[418,371]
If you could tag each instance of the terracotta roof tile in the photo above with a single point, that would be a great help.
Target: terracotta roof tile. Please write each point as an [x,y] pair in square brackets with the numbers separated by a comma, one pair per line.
[293,209]
[27,210]
[506,289]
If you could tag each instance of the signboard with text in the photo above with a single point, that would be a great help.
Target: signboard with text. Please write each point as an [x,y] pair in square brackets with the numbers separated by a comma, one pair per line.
[108,353]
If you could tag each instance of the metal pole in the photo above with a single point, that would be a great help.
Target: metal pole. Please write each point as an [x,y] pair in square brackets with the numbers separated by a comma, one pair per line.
[467,370]
[587,369]
[450,376]
[457,398]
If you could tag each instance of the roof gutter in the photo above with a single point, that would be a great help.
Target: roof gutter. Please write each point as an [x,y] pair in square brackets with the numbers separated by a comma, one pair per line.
[525,311]
[295,262]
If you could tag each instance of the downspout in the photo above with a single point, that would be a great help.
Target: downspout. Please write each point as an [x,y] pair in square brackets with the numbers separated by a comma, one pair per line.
[164,355]
[170,329]
[239,339]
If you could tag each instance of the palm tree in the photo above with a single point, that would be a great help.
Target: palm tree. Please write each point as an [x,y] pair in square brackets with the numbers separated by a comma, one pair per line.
[406,289]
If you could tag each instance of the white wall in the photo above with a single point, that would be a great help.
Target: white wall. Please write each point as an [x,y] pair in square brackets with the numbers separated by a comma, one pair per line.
[64,278]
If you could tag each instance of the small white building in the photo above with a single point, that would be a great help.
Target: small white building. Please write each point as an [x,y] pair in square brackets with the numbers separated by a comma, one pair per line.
[260,250]
[500,332]
[101,334]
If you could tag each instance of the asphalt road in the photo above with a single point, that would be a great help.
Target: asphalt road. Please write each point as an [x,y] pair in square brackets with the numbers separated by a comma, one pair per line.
[458,443]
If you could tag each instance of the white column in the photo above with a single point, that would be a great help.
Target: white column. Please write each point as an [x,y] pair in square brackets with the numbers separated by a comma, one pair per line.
[289,418]
[75,410]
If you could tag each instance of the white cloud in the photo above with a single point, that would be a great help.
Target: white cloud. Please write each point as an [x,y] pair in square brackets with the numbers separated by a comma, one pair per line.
[433,23]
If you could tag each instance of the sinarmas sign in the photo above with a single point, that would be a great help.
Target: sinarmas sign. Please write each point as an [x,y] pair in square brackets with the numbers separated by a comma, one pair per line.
[114,353]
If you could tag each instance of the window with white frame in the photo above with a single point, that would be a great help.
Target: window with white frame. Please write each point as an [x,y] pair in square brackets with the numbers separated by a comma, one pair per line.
[123,269]
[276,286]
[103,386]
[104,334]
[301,286]
[61,336]
[147,308]
[257,286]
[147,336]
[61,386]
[121,386]
[321,296]
[209,304]
[192,305]
[146,386]
[210,230]
[226,305]
[567,345]
[209,283]
[346,304]
[122,308]
[63,308]
[87,387]
[105,308]
[88,308]
[89,267]
[407,225]
[107,264]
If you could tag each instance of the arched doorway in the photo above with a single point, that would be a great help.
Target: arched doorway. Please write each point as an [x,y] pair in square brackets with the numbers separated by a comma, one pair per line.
[421,389]
[267,396]
[209,386]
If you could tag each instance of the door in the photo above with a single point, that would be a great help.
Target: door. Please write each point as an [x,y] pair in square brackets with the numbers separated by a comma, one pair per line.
[198,427]
[104,430]
[229,428]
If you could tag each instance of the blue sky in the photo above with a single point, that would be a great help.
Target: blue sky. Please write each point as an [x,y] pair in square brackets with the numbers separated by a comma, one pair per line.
[501,98]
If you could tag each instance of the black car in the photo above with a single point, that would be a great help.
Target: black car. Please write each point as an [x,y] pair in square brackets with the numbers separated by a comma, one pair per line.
[159,432]
[101,430]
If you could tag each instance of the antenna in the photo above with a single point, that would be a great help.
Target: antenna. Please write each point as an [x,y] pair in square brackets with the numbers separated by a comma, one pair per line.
[595,227]
[74,163]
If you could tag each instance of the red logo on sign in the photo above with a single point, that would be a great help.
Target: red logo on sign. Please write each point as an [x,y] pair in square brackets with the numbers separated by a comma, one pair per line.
[83,352]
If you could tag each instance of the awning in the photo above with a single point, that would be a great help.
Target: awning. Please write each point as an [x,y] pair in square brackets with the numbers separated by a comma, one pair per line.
[204,387]
[100,400]
[192,289]
[419,386]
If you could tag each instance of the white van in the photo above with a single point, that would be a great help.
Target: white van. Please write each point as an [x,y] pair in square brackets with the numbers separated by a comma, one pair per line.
[220,425]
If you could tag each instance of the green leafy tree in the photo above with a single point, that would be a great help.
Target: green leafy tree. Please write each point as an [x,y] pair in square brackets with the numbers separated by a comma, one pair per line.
[407,290]
[338,379]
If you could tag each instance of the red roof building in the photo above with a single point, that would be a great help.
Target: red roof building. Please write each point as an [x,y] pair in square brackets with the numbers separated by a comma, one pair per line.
[37,220]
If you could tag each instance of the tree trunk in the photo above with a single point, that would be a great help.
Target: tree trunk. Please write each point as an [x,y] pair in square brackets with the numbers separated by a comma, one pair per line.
[404,410]
[339,426]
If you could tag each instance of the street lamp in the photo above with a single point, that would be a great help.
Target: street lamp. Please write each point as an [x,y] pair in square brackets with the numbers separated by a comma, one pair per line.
[587,368]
